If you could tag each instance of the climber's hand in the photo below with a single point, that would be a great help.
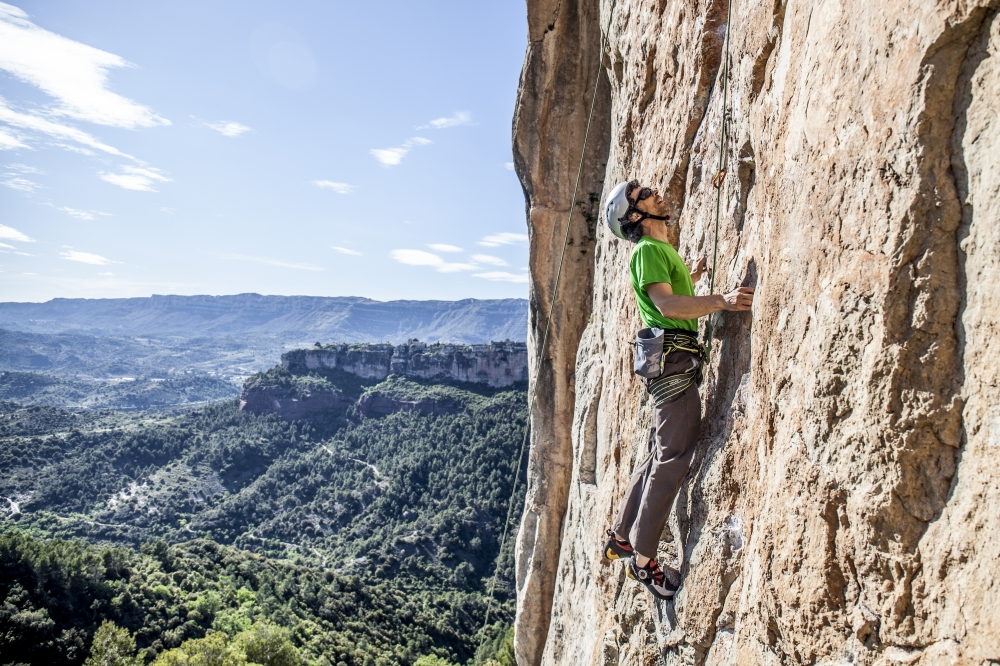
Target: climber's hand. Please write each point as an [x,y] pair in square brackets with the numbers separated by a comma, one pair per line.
[699,270]
[739,299]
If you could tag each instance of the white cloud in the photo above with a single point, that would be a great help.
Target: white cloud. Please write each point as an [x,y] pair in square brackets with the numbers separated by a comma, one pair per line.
[393,156]
[14,177]
[105,273]
[389,156]
[344,250]
[228,128]
[78,214]
[75,76]
[24,168]
[75,149]
[502,276]
[85,258]
[443,247]
[140,179]
[53,129]
[487,259]
[21,184]
[275,262]
[339,188]
[460,118]
[73,73]
[10,233]
[505,238]
[421,258]
[455,268]
[416,258]
[509,166]
[9,247]
[9,141]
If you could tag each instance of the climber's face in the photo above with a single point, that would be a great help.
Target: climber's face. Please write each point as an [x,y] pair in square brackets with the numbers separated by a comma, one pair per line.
[654,205]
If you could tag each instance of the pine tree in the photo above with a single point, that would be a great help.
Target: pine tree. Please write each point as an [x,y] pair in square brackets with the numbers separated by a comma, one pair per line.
[112,646]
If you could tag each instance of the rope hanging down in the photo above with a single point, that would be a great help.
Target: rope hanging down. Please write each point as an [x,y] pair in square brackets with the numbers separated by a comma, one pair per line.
[720,177]
[545,336]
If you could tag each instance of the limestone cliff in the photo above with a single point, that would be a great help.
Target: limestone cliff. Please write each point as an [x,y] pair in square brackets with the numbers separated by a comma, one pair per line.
[495,364]
[302,389]
[842,507]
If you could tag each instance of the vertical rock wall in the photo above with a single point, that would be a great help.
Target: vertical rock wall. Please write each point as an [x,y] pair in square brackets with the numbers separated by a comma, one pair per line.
[550,122]
[842,507]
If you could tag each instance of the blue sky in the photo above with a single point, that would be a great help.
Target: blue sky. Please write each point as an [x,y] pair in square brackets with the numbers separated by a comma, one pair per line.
[319,148]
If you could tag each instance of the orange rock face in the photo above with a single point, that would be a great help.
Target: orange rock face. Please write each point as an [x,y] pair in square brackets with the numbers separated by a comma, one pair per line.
[843,506]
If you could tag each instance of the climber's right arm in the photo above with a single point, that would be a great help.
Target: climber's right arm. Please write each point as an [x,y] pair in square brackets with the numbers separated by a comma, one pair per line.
[675,306]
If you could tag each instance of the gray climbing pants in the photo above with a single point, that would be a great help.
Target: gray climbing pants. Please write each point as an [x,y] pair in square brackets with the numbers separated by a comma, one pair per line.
[654,485]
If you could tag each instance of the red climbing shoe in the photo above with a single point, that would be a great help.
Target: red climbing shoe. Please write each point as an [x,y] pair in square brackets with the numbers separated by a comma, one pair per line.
[615,549]
[652,577]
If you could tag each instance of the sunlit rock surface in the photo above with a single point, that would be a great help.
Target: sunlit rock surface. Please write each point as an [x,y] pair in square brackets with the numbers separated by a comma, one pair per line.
[843,506]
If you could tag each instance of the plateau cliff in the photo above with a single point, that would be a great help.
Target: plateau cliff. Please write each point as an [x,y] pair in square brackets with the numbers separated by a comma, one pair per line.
[842,507]
[494,364]
[300,386]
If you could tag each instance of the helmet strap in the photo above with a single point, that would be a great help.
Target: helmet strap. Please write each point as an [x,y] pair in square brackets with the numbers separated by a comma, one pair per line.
[627,217]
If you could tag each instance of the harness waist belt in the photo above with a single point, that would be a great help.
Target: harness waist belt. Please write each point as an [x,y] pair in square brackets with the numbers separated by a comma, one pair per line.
[665,387]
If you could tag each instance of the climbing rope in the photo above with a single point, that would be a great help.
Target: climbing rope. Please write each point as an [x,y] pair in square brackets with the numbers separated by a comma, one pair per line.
[545,336]
[720,177]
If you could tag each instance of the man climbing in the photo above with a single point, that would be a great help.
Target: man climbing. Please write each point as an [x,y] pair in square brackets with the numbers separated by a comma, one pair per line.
[664,290]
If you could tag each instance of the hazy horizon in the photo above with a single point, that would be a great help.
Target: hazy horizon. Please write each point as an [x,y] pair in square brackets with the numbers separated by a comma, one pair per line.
[254,293]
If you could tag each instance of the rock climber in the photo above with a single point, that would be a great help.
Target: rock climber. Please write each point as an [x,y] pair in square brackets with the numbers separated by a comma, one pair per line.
[664,291]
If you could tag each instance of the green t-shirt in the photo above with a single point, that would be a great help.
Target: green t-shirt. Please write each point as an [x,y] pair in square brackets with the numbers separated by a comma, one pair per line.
[656,261]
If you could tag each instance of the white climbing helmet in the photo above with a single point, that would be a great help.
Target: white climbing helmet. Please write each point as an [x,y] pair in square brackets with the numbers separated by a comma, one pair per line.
[617,204]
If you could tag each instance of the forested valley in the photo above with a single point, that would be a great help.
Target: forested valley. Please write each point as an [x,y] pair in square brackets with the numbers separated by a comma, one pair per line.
[218,536]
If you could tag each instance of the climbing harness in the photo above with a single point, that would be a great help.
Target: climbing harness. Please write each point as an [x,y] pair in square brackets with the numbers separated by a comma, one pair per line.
[671,386]
[663,388]
[720,177]
[652,346]
[545,336]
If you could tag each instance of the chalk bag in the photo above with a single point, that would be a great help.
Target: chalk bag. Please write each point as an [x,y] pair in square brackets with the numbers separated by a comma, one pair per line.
[649,353]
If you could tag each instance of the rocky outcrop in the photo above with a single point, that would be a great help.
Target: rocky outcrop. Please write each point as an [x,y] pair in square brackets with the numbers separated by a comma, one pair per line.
[289,403]
[296,396]
[377,404]
[496,364]
[842,507]
[264,398]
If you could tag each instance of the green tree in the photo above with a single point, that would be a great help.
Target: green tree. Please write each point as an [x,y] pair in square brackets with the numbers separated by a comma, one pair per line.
[499,651]
[112,646]
[213,650]
[505,655]
[431,660]
[268,644]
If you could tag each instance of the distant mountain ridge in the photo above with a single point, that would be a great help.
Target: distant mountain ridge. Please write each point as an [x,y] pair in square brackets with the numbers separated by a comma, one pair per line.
[329,319]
